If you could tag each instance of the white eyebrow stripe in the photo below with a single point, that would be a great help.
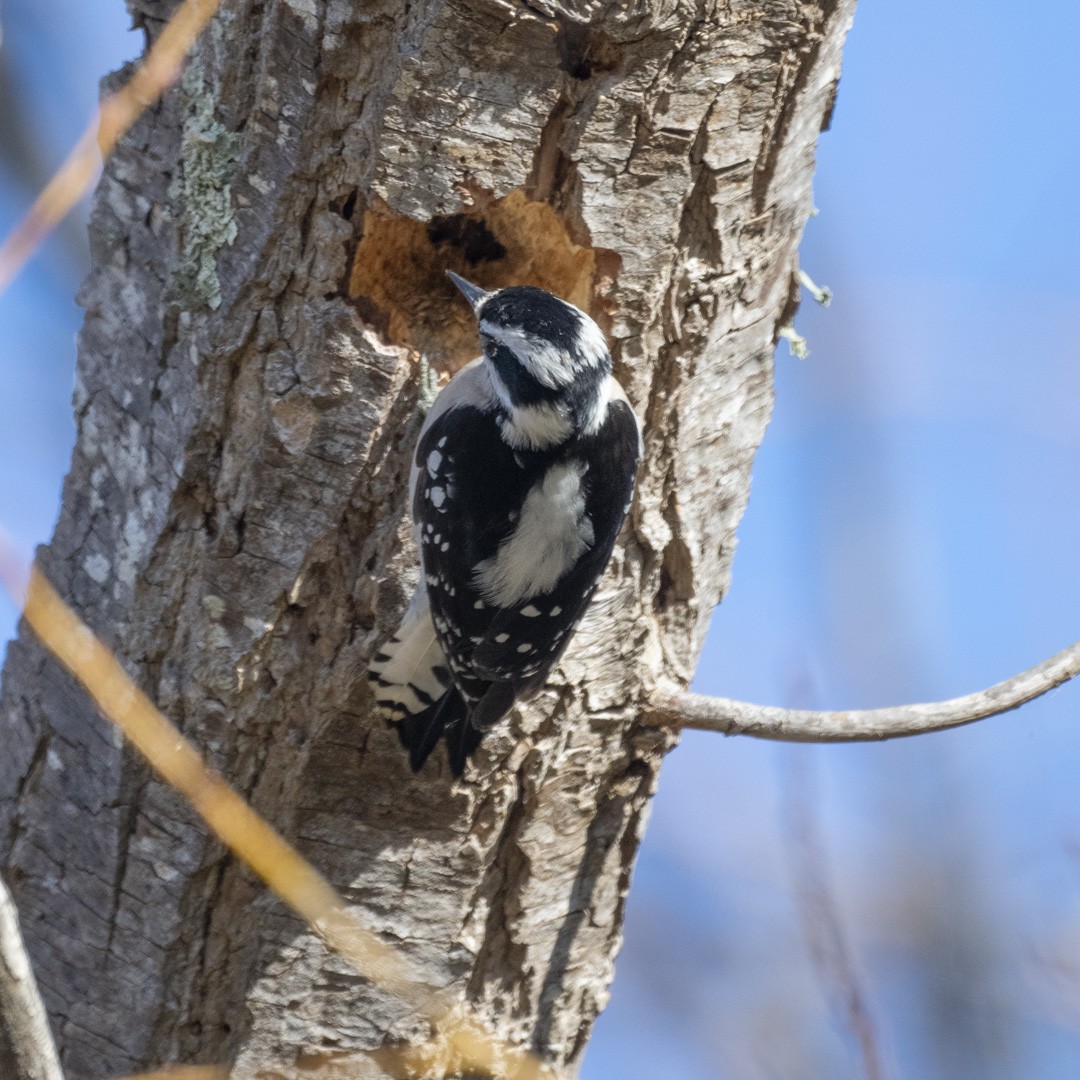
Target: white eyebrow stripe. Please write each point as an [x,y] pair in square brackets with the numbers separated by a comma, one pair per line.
[547,363]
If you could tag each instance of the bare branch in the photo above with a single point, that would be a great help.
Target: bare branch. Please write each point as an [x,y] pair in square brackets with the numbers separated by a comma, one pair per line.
[672,706]
[22,1013]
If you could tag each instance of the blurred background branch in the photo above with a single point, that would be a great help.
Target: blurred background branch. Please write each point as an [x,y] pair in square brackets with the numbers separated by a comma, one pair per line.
[819,910]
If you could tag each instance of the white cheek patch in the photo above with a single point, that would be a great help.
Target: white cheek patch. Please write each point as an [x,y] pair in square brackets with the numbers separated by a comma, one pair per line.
[553,532]
[528,427]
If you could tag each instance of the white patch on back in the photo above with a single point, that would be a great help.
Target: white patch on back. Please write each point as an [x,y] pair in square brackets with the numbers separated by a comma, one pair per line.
[552,534]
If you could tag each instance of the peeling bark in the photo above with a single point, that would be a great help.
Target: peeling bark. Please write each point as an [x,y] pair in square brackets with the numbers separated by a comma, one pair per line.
[233,521]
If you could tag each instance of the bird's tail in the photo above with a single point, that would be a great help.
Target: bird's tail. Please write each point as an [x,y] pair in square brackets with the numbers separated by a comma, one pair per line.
[408,674]
[412,685]
[449,718]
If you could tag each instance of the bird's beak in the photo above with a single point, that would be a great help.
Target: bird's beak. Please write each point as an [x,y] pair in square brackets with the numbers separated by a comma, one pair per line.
[473,293]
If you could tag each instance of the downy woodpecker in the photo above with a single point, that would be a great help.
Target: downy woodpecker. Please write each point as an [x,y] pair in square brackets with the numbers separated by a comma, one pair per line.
[523,473]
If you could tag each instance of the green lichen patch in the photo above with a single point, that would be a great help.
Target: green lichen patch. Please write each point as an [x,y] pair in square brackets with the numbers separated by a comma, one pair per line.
[209,153]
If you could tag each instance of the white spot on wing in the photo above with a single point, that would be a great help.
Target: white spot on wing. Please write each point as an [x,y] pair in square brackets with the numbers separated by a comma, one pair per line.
[437,495]
[530,612]
[434,460]
[470,387]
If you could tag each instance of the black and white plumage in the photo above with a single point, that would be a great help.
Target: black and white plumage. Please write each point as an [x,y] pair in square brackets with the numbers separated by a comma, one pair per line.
[523,473]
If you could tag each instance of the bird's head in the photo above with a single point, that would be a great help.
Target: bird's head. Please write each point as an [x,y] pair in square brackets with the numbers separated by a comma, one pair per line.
[548,362]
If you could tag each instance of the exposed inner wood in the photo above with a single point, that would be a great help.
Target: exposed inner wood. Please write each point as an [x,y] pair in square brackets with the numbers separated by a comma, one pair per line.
[398,271]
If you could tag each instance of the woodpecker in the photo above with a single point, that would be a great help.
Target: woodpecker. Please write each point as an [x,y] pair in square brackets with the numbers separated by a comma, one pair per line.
[522,476]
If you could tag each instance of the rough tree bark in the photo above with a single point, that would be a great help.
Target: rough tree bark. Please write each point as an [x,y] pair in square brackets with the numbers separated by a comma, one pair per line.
[269,247]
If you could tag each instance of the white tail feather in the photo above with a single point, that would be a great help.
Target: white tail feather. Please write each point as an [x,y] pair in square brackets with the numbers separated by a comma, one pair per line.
[409,672]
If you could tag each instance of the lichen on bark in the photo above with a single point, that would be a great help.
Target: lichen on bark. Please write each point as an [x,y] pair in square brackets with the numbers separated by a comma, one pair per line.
[203,194]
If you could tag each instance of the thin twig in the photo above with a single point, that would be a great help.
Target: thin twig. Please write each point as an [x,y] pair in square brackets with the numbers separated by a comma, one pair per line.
[796,342]
[670,705]
[22,1013]
[821,293]
[117,113]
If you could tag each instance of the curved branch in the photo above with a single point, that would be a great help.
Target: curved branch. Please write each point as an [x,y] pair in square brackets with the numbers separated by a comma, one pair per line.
[672,706]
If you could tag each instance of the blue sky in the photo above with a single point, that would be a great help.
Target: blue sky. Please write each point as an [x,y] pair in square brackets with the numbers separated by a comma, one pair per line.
[912,534]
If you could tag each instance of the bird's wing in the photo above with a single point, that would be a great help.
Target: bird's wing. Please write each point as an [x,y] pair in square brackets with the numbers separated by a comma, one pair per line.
[514,542]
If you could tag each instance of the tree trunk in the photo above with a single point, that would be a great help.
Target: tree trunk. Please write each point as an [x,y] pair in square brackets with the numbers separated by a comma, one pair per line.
[269,247]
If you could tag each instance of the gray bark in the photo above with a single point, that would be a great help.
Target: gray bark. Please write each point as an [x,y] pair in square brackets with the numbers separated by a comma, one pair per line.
[268,253]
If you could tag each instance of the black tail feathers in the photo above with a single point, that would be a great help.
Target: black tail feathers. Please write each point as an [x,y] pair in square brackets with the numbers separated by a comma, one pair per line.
[421,731]
[461,740]
[450,718]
